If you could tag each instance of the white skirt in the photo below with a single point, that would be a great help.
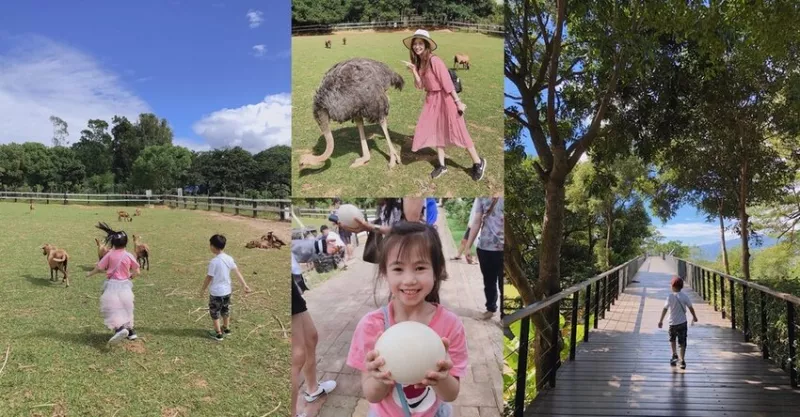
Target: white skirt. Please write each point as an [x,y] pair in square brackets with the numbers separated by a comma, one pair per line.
[116,303]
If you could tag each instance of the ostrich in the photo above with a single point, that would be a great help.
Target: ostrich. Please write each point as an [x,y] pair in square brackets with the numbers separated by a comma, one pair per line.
[355,89]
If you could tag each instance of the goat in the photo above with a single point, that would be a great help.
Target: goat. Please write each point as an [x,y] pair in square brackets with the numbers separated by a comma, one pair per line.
[138,212]
[328,44]
[102,249]
[260,244]
[31,208]
[57,261]
[273,240]
[461,59]
[344,41]
[142,252]
[124,215]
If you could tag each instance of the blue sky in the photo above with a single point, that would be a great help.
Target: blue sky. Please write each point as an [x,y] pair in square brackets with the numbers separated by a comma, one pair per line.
[219,71]
[687,225]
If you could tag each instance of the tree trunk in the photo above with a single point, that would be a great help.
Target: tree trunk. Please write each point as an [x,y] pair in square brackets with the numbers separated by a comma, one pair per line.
[722,239]
[513,268]
[743,220]
[547,320]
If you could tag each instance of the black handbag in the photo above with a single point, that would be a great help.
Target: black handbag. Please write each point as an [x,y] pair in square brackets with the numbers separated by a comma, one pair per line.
[372,247]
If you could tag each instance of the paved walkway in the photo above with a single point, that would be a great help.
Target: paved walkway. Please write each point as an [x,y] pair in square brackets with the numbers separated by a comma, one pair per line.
[623,370]
[338,304]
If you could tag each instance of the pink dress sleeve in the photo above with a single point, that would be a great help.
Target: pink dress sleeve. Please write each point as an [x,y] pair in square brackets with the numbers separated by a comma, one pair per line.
[364,338]
[458,348]
[103,264]
[440,71]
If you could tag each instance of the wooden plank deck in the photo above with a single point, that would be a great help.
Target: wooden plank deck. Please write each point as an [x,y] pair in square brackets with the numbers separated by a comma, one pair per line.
[623,370]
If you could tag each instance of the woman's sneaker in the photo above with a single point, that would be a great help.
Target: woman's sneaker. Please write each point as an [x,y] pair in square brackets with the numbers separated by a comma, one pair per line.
[683,364]
[324,387]
[438,172]
[478,170]
[226,330]
[216,336]
[132,335]
[674,360]
[120,334]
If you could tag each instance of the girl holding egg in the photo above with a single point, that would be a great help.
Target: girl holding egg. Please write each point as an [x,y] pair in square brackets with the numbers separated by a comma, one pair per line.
[413,264]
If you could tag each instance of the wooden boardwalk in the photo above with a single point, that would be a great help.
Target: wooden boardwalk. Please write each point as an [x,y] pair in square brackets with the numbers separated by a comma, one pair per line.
[623,370]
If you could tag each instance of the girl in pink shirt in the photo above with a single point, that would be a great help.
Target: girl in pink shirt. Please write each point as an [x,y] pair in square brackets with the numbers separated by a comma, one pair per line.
[116,301]
[413,265]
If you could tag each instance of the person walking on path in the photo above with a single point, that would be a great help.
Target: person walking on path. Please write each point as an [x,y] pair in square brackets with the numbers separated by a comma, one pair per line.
[464,240]
[676,304]
[304,348]
[441,122]
[489,220]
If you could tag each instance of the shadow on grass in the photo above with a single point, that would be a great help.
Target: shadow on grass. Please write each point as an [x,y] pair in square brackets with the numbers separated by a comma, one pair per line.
[352,145]
[201,333]
[86,268]
[99,341]
[41,281]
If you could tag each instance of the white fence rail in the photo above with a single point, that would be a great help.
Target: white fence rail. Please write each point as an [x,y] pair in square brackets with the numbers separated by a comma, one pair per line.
[235,205]
[401,24]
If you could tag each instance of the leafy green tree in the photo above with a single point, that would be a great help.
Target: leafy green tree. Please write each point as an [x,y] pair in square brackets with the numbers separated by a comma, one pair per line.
[161,167]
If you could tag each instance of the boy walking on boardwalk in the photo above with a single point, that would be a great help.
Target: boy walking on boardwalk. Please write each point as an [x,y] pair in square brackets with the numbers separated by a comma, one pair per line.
[676,304]
[219,278]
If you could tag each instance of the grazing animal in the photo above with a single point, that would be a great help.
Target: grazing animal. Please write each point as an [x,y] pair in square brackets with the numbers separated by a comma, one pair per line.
[124,215]
[355,89]
[102,249]
[57,260]
[328,44]
[142,252]
[344,41]
[137,212]
[461,59]
[31,208]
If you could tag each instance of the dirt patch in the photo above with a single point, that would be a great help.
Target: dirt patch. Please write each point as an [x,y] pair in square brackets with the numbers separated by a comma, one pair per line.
[482,128]
[59,410]
[200,383]
[261,226]
[443,30]
[174,412]
[136,347]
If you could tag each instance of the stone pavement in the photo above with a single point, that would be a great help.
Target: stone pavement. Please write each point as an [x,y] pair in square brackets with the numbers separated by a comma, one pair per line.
[338,304]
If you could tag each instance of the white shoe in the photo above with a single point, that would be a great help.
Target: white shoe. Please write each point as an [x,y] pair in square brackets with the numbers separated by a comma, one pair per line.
[118,336]
[487,315]
[324,388]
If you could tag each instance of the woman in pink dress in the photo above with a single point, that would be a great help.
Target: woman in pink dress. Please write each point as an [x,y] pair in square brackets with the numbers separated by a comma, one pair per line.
[441,123]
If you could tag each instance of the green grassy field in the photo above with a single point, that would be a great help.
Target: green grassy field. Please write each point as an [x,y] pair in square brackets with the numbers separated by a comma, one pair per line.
[59,364]
[483,95]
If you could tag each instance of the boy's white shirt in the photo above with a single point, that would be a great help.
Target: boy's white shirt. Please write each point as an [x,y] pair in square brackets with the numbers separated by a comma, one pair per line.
[677,314]
[220,271]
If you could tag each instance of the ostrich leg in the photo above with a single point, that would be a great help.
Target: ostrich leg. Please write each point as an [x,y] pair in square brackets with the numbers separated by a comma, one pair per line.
[394,156]
[365,156]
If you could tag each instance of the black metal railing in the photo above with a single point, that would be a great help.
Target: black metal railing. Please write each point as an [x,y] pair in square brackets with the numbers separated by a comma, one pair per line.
[765,316]
[572,322]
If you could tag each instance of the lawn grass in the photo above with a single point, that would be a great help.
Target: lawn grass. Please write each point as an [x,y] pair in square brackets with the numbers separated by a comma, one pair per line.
[483,95]
[457,230]
[59,363]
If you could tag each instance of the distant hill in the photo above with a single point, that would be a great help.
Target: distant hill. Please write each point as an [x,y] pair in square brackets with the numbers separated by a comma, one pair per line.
[710,251]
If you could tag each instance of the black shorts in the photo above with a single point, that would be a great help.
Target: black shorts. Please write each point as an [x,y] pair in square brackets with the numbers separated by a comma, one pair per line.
[466,234]
[678,331]
[298,303]
[219,306]
[345,236]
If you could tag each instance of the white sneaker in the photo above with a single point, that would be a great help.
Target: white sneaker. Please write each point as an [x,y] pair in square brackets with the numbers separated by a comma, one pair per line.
[118,336]
[324,388]
[487,315]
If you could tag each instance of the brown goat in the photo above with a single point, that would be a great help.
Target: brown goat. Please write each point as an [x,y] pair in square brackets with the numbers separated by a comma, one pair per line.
[273,240]
[260,244]
[328,44]
[102,249]
[32,208]
[344,41]
[57,261]
[461,59]
[142,252]
[138,212]
[124,215]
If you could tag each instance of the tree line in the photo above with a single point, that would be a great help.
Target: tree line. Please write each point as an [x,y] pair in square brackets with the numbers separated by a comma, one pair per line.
[309,12]
[703,95]
[139,155]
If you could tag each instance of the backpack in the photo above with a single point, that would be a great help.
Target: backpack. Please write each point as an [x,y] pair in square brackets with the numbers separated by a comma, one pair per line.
[325,263]
[455,79]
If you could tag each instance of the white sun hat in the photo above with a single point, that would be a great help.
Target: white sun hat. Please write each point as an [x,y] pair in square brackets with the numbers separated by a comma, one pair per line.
[421,34]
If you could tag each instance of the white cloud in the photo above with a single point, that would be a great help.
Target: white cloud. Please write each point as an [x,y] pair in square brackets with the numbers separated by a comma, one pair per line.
[41,77]
[694,232]
[254,127]
[259,50]
[191,144]
[255,17]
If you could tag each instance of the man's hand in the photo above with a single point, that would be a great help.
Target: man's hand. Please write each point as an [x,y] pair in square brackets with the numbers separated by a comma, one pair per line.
[660,324]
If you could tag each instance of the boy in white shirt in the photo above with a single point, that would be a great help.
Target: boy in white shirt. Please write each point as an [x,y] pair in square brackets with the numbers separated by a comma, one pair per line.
[219,278]
[676,304]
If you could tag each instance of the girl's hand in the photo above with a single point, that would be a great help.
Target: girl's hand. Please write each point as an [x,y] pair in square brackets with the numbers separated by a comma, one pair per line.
[374,363]
[442,372]
[247,289]
[461,106]
[409,65]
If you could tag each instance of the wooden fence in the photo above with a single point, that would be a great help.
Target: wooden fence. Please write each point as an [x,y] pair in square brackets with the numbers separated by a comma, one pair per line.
[238,206]
[400,24]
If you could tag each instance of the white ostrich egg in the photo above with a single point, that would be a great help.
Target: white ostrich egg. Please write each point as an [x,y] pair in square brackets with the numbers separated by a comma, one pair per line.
[411,350]
[348,214]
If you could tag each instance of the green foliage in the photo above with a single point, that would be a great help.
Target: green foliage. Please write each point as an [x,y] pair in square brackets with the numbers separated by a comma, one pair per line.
[341,11]
[137,156]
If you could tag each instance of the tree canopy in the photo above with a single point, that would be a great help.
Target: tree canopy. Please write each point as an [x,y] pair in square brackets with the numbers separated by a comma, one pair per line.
[308,12]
